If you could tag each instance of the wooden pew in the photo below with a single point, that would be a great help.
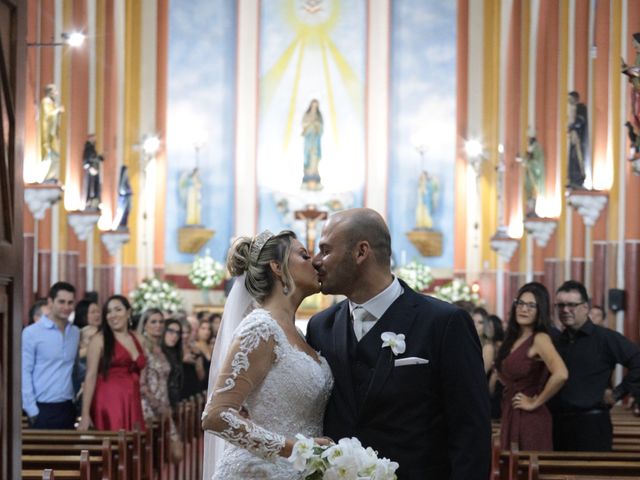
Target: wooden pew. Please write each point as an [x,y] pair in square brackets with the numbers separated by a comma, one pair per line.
[67,466]
[125,442]
[106,450]
[539,466]
[135,455]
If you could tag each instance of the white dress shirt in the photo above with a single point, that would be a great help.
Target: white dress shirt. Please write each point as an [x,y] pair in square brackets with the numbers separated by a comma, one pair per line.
[374,308]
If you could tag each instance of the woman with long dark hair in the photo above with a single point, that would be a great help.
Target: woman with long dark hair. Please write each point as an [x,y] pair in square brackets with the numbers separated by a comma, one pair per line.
[87,318]
[531,371]
[115,359]
[172,348]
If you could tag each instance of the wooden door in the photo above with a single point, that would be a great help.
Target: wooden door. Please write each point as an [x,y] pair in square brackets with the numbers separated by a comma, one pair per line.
[12,91]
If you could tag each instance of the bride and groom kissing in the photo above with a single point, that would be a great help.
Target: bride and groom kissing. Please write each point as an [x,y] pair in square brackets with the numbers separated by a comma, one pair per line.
[421,400]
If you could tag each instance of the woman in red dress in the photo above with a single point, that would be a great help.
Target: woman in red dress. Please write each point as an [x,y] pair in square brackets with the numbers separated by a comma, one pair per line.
[531,371]
[115,359]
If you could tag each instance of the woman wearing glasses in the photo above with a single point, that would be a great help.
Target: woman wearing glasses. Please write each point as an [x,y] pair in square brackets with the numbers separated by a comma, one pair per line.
[531,370]
[172,348]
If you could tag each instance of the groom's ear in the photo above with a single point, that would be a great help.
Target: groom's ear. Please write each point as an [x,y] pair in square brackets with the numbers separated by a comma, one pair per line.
[362,251]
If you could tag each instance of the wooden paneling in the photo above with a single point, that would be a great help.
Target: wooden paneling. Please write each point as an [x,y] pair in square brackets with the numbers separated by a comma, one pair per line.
[12,83]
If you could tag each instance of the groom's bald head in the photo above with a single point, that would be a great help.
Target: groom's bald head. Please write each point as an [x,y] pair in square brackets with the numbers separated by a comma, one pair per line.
[364,224]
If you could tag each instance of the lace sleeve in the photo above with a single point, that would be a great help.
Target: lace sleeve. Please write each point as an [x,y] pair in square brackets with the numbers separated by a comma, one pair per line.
[250,357]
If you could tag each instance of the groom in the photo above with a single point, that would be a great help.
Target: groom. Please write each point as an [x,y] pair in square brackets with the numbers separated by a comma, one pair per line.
[425,406]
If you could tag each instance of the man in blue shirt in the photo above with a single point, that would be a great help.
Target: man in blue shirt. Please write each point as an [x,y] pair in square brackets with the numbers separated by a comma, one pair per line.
[49,350]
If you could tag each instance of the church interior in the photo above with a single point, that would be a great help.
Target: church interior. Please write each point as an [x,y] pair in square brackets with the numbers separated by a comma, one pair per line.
[499,140]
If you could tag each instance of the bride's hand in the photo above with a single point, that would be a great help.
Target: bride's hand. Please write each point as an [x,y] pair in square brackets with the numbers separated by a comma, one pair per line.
[323,441]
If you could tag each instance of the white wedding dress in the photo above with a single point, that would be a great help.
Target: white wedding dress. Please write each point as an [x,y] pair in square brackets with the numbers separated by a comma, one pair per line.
[290,399]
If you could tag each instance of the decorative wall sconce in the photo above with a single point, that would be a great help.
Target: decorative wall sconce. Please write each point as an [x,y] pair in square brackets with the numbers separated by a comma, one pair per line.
[72,39]
[475,154]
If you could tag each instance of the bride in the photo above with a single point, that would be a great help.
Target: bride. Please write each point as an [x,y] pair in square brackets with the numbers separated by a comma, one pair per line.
[266,383]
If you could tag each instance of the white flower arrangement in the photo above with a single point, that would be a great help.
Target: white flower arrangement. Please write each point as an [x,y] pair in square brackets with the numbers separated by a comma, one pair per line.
[346,460]
[417,275]
[206,273]
[457,290]
[156,293]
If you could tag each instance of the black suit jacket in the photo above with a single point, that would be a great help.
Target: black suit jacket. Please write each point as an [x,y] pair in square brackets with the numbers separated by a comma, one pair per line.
[433,419]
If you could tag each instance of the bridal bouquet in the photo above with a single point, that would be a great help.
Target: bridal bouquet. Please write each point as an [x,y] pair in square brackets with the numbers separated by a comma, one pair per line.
[346,460]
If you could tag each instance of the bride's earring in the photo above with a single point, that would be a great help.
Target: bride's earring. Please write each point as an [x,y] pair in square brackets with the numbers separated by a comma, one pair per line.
[285,288]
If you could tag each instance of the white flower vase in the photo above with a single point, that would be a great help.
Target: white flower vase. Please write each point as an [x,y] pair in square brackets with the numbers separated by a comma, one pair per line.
[206,296]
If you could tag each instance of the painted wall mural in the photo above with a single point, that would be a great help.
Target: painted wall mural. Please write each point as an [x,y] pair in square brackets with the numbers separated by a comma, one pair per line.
[422,127]
[200,126]
[311,126]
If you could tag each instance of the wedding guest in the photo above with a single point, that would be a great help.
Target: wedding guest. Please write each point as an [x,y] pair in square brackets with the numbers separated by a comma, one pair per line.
[484,327]
[204,346]
[172,348]
[495,385]
[38,309]
[530,369]
[155,376]
[193,366]
[154,381]
[597,315]
[87,319]
[115,360]
[214,320]
[581,418]
[49,349]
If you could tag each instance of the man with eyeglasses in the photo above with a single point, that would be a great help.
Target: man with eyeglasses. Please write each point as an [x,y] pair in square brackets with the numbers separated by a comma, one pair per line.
[581,418]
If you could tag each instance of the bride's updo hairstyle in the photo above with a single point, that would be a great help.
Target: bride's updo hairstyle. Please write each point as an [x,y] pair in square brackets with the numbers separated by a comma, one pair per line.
[252,256]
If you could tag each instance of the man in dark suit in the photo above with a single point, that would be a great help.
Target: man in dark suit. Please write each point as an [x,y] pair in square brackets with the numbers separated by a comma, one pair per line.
[421,401]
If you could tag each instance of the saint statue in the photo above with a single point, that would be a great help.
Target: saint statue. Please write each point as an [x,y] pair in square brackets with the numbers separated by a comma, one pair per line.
[633,72]
[534,175]
[578,141]
[124,200]
[91,165]
[312,129]
[49,116]
[428,193]
[190,186]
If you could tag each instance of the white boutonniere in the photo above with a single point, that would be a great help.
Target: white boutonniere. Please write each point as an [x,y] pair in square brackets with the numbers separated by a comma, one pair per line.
[395,341]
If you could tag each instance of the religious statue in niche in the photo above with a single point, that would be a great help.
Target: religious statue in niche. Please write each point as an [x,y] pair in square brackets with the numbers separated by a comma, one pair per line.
[190,187]
[428,196]
[91,164]
[312,129]
[578,141]
[124,201]
[633,127]
[49,119]
[426,240]
[534,174]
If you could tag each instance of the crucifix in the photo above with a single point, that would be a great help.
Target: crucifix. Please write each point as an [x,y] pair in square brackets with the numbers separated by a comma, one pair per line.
[311,215]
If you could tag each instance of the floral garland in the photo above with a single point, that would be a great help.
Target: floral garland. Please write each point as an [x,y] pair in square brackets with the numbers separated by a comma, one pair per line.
[206,273]
[156,293]
[417,275]
[457,290]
